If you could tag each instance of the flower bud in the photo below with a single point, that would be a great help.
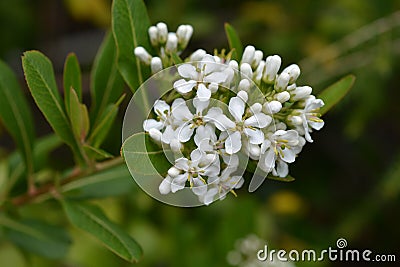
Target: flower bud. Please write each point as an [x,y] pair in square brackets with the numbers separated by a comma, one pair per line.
[162,32]
[213,87]
[197,55]
[293,71]
[295,120]
[184,33]
[272,65]
[272,107]
[259,71]
[234,65]
[248,54]
[153,34]
[172,43]
[300,93]
[246,70]
[143,55]
[282,96]
[244,85]
[258,55]
[155,135]
[243,95]
[156,65]
[173,171]
[282,82]
[256,108]
[165,185]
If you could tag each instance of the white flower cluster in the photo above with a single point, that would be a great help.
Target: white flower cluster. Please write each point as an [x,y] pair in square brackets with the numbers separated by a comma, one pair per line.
[222,107]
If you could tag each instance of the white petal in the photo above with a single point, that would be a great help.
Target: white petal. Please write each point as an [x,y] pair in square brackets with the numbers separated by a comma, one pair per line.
[200,105]
[216,77]
[199,188]
[234,143]
[165,186]
[152,124]
[256,136]
[161,106]
[180,110]
[209,196]
[168,135]
[185,132]
[175,145]
[178,183]
[196,155]
[287,155]
[282,169]
[236,108]
[223,123]
[203,93]
[269,159]
[182,164]
[183,86]
[317,125]
[187,71]
[259,120]
[212,170]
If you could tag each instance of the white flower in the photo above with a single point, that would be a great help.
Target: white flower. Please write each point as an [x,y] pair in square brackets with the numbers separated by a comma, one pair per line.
[250,126]
[282,144]
[193,170]
[300,93]
[310,116]
[156,65]
[221,185]
[248,54]
[207,72]
[172,43]
[188,122]
[153,35]
[293,71]
[184,33]
[162,32]
[163,111]
[170,136]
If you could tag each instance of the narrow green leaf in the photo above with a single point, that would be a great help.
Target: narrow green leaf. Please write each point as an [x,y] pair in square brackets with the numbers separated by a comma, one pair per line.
[15,114]
[113,182]
[39,75]
[105,122]
[96,153]
[234,42]
[130,23]
[334,93]
[37,237]
[107,84]
[72,78]
[92,220]
[79,116]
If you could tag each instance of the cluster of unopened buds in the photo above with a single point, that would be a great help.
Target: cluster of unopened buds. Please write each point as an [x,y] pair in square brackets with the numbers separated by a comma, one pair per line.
[222,108]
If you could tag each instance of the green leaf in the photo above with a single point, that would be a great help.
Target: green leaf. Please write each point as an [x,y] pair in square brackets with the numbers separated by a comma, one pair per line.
[79,116]
[130,23]
[72,79]
[143,157]
[37,237]
[92,220]
[39,75]
[281,179]
[96,153]
[15,114]
[334,93]
[107,84]
[234,42]
[112,182]
[105,122]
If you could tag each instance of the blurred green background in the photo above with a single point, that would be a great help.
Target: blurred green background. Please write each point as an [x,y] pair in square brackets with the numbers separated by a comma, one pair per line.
[347,182]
